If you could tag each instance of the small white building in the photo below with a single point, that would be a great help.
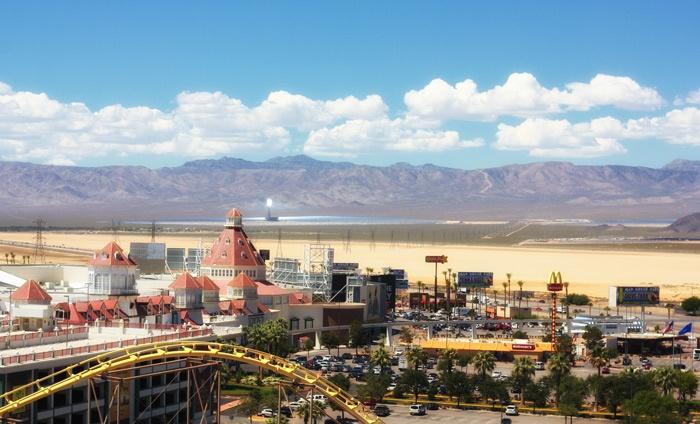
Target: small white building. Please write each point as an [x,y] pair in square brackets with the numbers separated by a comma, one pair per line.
[111,272]
[31,307]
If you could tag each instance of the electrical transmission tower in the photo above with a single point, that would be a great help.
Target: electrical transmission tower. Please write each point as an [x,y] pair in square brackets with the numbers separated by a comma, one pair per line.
[39,250]
[115,230]
[278,254]
[347,242]
[153,232]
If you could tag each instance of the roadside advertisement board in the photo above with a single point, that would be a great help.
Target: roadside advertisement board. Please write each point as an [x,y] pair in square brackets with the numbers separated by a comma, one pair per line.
[474,279]
[635,296]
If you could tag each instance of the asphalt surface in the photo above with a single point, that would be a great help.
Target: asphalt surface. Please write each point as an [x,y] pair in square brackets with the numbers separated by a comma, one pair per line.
[399,415]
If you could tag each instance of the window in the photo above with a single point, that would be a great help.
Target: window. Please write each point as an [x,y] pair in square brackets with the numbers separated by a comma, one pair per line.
[308,322]
[294,324]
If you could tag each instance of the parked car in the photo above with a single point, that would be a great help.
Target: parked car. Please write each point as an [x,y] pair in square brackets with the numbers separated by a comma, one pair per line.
[626,360]
[382,411]
[432,406]
[391,387]
[605,370]
[417,409]
[506,420]
[346,356]
[296,405]
[511,410]
[268,413]
[539,366]
[678,366]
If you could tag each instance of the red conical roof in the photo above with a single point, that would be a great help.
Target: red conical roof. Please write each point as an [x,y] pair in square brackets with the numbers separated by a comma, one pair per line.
[242,281]
[31,291]
[185,281]
[110,255]
[234,213]
[207,284]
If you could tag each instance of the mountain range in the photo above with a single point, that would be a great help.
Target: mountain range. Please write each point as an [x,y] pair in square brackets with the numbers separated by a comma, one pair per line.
[301,185]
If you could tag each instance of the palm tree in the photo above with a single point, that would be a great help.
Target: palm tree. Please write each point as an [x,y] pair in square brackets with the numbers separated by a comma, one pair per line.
[484,362]
[505,296]
[665,379]
[508,275]
[495,303]
[380,358]
[590,307]
[416,356]
[598,357]
[311,410]
[464,361]
[669,307]
[520,298]
[369,270]
[607,310]
[523,372]
[455,287]
[559,366]
[446,360]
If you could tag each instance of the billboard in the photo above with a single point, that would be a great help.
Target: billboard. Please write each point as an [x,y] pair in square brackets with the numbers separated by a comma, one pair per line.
[436,259]
[634,296]
[474,279]
[346,266]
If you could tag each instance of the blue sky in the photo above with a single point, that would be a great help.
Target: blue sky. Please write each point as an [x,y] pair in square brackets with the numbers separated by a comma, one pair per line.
[159,83]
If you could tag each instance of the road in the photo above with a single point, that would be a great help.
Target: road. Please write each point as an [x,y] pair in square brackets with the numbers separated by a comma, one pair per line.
[399,415]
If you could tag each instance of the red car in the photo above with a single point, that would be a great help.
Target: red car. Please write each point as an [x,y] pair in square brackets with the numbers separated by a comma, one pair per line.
[605,370]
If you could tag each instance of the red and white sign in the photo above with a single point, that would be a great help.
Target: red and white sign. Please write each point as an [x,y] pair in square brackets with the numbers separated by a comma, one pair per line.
[520,346]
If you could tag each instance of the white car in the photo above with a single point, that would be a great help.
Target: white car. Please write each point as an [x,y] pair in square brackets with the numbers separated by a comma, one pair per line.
[297,405]
[268,413]
[391,387]
[511,410]
[417,409]
[496,374]
[317,398]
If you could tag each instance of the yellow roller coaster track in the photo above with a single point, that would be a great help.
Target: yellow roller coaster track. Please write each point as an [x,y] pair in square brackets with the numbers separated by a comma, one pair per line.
[124,358]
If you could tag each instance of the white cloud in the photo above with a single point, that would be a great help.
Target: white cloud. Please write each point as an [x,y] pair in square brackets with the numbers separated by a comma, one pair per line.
[599,137]
[693,98]
[556,138]
[523,96]
[363,136]
[35,127]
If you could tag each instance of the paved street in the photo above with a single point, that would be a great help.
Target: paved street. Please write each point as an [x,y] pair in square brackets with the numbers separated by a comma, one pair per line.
[399,415]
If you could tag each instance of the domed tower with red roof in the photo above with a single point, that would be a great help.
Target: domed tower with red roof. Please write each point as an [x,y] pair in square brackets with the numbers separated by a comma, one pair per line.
[243,288]
[112,274]
[210,294]
[233,253]
[31,307]
[188,298]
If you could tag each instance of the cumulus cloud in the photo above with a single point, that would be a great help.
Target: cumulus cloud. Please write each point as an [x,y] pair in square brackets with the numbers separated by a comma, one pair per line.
[599,137]
[35,127]
[693,98]
[523,96]
[358,136]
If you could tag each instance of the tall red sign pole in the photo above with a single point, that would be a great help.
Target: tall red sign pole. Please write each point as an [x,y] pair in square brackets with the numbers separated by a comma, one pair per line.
[554,286]
[436,260]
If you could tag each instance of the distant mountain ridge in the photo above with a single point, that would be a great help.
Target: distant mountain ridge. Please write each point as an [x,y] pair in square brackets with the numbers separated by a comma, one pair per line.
[302,185]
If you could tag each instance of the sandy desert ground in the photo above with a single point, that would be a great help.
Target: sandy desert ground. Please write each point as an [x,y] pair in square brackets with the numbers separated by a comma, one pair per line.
[588,271]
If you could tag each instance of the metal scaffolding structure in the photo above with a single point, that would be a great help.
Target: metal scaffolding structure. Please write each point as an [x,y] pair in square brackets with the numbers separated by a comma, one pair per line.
[316,274]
